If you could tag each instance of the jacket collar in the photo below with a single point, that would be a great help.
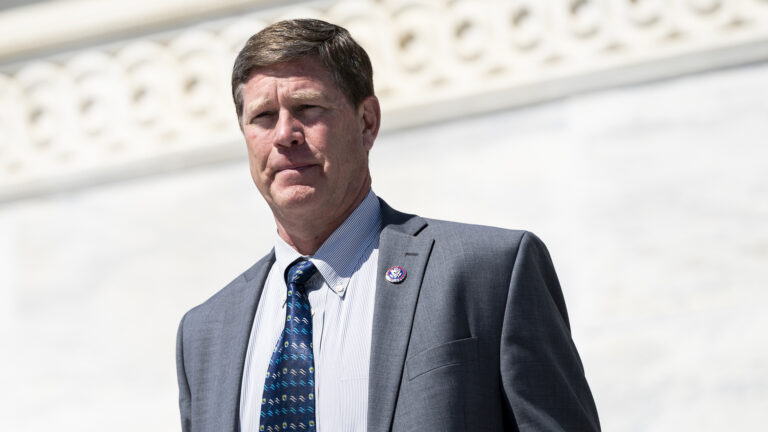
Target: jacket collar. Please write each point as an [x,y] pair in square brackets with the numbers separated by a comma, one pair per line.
[237,314]
[401,245]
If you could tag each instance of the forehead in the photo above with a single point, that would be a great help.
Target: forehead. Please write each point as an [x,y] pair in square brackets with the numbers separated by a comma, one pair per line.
[303,73]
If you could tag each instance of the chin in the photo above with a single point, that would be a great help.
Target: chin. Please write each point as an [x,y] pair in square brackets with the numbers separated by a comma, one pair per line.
[295,197]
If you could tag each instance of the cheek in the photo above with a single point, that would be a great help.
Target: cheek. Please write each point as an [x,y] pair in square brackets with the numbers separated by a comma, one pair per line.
[354,155]
[341,148]
[258,152]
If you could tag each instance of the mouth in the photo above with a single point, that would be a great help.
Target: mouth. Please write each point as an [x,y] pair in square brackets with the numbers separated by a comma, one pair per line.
[294,169]
[297,167]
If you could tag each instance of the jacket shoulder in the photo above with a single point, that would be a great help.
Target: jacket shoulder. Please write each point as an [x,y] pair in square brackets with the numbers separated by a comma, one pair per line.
[234,292]
[461,235]
[482,235]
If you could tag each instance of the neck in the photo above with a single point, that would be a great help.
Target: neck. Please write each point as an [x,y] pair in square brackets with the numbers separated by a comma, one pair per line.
[307,234]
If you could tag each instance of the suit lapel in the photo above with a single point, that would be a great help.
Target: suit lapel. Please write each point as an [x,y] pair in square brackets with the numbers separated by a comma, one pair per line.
[399,245]
[235,334]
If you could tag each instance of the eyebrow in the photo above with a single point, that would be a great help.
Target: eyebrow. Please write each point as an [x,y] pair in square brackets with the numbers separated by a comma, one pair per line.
[305,95]
[298,96]
[256,106]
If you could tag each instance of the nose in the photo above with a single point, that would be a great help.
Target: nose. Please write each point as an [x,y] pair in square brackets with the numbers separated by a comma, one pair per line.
[288,130]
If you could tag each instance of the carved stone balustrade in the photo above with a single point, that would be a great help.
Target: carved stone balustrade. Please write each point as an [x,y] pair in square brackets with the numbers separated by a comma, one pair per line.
[150,91]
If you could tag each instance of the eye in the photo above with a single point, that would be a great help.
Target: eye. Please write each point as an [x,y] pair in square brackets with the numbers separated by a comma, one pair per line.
[309,112]
[261,116]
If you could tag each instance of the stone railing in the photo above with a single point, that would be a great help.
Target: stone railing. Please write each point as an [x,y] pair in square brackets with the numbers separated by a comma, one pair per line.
[150,90]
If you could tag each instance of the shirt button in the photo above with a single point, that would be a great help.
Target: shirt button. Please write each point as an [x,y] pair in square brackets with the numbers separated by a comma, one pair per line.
[312,311]
[338,288]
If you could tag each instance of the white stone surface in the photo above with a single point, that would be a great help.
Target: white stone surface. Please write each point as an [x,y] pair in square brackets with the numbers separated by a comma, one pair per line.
[653,200]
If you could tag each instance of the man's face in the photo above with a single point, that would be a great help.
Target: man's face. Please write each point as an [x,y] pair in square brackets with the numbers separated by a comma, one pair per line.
[307,145]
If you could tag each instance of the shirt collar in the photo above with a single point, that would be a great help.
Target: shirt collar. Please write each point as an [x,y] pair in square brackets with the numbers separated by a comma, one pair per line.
[340,255]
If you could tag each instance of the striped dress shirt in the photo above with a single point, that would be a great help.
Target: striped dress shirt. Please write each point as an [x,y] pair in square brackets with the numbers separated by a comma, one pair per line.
[341,295]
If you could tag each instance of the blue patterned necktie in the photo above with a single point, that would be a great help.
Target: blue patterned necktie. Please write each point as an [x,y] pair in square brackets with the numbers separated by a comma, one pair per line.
[288,403]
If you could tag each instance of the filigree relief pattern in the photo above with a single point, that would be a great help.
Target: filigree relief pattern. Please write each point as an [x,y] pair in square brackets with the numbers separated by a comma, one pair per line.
[101,108]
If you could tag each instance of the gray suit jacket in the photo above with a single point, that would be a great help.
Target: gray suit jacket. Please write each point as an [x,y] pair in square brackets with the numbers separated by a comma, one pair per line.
[476,338]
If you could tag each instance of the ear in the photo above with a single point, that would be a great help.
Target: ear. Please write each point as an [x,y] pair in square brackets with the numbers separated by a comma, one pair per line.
[369,119]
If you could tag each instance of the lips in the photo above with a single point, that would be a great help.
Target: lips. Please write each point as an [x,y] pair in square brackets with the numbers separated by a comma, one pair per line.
[297,167]
[294,168]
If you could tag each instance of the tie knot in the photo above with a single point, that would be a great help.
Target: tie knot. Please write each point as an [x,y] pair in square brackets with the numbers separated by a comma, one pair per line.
[299,272]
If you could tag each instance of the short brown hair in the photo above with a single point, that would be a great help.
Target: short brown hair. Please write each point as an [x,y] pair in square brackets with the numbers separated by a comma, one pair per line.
[289,40]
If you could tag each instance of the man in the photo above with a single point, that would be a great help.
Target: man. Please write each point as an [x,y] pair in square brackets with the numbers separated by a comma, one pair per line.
[362,317]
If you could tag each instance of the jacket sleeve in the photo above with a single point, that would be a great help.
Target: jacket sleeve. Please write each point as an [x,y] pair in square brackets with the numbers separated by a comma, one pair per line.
[542,376]
[185,398]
